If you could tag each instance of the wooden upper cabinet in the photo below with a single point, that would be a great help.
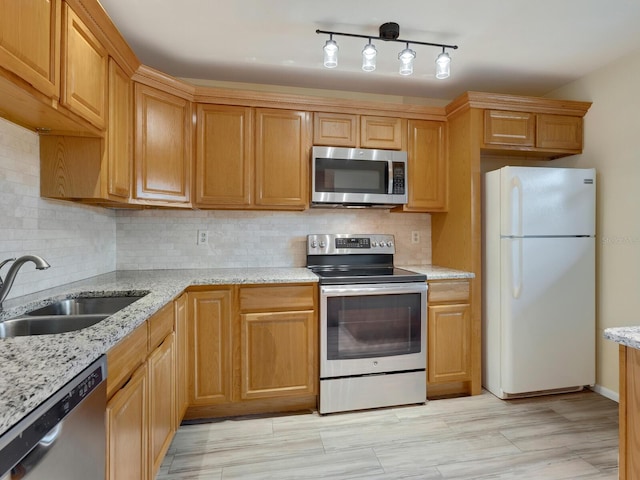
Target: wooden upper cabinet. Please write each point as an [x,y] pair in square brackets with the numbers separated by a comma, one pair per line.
[509,128]
[427,167]
[84,70]
[335,129]
[119,133]
[560,132]
[532,132]
[224,156]
[162,155]
[383,132]
[283,144]
[30,42]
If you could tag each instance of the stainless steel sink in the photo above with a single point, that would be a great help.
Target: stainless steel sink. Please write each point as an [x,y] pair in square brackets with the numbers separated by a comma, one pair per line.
[47,324]
[86,305]
[67,315]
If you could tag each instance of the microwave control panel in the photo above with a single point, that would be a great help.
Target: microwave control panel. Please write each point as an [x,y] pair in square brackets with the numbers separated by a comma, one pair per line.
[398,178]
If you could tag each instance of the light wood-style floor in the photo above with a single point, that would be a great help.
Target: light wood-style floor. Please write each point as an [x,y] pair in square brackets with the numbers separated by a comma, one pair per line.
[569,436]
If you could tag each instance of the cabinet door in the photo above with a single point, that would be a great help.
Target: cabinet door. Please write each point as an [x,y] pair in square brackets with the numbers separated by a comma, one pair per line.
[335,129]
[210,347]
[449,343]
[84,70]
[427,167]
[161,374]
[163,145]
[382,132]
[182,358]
[224,159]
[120,132]
[30,42]
[509,128]
[559,132]
[278,354]
[127,430]
[282,152]
[629,434]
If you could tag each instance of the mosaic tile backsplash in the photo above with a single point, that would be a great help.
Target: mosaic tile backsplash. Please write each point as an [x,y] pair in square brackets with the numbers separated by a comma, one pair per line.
[78,241]
[82,241]
[153,239]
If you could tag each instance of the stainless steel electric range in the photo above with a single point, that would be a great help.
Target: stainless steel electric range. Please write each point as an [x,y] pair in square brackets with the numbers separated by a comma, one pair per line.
[372,324]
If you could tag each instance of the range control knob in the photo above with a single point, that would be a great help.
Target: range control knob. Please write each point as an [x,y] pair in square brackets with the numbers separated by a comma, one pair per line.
[322,244]
[374,244]
[389,244]
[314,244]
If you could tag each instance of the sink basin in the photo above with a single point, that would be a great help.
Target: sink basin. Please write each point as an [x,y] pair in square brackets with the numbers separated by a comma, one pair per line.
[65,315]
[46,324]
[86,305]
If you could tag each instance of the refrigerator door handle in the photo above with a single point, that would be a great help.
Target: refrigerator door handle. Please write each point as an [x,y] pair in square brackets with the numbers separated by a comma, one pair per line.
[516,267]
[516,205]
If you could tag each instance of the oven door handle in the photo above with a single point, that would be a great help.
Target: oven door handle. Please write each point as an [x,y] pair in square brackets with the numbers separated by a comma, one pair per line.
[373,289]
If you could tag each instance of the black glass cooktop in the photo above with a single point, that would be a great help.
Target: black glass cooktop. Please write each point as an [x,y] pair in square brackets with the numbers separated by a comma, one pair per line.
[365,274]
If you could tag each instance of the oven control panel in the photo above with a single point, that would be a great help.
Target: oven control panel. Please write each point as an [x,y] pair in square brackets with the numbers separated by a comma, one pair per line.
[340,244]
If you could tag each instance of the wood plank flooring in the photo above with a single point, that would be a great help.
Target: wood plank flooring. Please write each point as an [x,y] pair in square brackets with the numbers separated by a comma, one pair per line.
[569,436]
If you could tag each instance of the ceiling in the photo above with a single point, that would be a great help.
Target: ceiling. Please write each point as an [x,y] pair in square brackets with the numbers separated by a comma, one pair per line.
[509,46]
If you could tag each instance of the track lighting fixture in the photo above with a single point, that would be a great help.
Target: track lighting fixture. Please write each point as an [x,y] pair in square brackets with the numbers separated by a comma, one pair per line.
[389,32]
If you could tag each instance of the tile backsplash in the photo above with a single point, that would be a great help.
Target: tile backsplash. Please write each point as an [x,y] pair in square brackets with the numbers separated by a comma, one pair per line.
[78,241]
[81,241]
[154,239]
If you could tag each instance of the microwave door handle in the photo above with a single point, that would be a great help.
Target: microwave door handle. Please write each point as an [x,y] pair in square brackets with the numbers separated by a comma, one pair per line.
[390,177]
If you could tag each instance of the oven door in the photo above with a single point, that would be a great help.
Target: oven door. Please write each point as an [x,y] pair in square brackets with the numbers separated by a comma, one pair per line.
[372,328]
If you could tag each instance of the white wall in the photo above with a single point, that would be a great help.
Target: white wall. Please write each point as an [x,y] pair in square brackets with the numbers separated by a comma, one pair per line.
[612,146]
[77,241]
[157,239]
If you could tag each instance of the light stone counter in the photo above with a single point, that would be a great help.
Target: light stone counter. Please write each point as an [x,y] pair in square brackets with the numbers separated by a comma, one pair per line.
[33,368]
[627,336]
[433,272]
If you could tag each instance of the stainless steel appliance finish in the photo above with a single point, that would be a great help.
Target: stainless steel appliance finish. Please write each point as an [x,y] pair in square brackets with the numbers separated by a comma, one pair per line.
[358,177]
[63,438]
[372,324]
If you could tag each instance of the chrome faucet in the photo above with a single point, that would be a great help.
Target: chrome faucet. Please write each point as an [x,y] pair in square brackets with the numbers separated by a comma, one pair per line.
[5,286]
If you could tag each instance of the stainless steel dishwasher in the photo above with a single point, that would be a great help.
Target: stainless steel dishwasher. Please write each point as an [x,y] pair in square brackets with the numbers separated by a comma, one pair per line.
[64,437]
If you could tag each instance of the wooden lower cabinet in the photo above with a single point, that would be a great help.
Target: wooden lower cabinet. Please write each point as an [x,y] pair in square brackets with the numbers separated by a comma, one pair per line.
[127,427]
[277,354]
[141,399]
[253,349]
[629,457]
[162,424]
[449,366]
[209,332]
[182,358]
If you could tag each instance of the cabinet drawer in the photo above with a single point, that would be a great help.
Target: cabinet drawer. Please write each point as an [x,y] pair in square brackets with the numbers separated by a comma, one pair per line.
[448,291]
[160,325]
[125,357]
[292,297]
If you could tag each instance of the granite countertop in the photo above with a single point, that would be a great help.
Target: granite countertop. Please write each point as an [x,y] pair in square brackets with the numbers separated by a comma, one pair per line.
[627,336]
[434,272]
[32,368]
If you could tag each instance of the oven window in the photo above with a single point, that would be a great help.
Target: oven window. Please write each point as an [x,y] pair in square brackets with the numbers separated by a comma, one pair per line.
[373,325]
[351,176]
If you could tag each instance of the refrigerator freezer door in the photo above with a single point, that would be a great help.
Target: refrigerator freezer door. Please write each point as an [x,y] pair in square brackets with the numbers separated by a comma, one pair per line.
[537,201]
[548,313]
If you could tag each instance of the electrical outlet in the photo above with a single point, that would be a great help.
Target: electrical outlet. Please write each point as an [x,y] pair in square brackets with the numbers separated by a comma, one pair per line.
[203,237]
[415,236]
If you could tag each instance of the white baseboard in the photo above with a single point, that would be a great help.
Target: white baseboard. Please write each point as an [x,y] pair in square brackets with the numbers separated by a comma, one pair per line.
[605,392]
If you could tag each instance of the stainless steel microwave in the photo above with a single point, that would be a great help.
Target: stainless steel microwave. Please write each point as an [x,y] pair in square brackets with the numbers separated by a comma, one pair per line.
[358,177]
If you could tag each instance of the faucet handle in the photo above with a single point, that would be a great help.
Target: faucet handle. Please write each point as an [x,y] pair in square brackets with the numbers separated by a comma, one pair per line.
[2,264]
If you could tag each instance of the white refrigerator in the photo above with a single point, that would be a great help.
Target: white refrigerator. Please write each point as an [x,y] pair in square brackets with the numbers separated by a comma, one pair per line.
[538,280]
